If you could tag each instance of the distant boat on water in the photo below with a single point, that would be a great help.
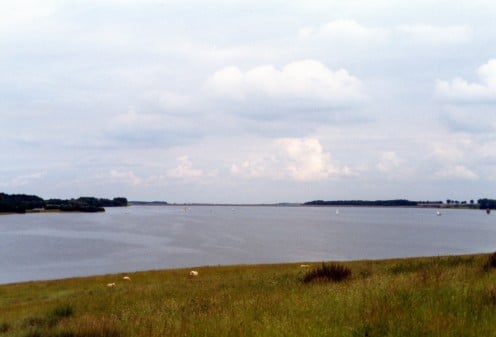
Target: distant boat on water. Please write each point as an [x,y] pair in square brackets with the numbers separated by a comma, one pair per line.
[337,211]
[438,213]
[488,211]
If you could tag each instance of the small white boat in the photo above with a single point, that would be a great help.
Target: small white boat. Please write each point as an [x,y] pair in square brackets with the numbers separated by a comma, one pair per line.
[337,211]
[438,213]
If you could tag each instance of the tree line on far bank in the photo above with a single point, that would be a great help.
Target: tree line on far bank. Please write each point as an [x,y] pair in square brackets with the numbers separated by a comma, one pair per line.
[481,203]
[20,203]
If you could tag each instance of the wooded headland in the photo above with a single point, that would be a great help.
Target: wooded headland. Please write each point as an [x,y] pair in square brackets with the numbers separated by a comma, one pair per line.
[21,203]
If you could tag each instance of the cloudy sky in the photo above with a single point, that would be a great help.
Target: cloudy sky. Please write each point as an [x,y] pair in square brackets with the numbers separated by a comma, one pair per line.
[248,101]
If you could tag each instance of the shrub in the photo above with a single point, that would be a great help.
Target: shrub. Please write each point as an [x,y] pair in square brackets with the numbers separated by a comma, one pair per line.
[328,272]
[491,262]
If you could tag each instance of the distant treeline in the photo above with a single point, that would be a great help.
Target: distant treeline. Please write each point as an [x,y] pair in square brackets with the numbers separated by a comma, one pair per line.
[395,202]
[148,203]
[20,203]
[487,203]
[481,203]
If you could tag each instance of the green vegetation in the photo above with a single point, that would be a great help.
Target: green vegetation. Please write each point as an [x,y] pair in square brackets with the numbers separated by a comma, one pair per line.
[481,203]
[84,204]
[439,296]
[20,203]
[396,202]
[487,203]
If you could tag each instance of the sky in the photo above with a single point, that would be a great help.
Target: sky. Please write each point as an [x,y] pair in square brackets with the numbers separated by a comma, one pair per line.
[248,101]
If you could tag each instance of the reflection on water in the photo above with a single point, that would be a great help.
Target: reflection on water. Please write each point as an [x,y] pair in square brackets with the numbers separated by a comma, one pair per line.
[56,245]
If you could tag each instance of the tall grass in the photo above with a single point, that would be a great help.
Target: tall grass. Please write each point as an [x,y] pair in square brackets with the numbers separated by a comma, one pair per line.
[441,296]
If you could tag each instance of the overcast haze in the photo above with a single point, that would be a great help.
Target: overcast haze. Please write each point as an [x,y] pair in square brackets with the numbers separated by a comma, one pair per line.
[248,101]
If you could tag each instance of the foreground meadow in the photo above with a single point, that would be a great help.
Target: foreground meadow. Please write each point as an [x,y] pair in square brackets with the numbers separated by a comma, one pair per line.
[438,296]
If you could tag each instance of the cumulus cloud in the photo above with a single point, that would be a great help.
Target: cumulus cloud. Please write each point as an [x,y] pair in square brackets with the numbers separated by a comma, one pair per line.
[449,154]
[298,159]
[462,90]
[306,80]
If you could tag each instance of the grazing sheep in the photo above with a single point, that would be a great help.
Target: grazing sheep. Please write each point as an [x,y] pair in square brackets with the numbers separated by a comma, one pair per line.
[126,278]
[304,266]
[111,285]
[193,273]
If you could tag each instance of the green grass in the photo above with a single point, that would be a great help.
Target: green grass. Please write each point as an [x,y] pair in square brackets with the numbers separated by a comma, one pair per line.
[439,296]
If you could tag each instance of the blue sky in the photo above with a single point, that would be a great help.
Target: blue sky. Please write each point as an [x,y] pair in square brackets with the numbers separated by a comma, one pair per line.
[248,101]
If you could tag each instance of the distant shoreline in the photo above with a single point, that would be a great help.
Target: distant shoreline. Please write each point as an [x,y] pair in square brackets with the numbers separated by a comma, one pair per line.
[443,206]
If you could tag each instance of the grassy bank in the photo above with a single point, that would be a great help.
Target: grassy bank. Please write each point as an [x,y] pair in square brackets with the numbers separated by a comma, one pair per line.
[440,296]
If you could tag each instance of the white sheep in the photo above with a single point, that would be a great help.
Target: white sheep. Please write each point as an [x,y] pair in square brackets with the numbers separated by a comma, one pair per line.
[304,266]
[193,273]
[111,285]
[126,278]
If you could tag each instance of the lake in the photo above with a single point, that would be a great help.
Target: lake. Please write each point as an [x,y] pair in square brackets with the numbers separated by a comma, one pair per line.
[43,246]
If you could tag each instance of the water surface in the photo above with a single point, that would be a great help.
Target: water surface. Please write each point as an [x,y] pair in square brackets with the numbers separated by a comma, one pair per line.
[58,245]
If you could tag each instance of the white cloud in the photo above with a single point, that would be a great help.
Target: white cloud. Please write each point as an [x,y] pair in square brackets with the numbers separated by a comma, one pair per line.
[456,172]
[436,34]
[134,120]
[298,159]
[126,177]
[307,80]
[20,12]
[305,159]
[81,61]
[152,129]
[170,100]
[389,161]
[459,89]
[184,170]
[349,31]
[24,179]
[228,82]
[255,168]
[344,30]
[447,151]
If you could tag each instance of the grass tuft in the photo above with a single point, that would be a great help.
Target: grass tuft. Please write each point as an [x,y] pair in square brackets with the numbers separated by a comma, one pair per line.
[61,312]
[328,272]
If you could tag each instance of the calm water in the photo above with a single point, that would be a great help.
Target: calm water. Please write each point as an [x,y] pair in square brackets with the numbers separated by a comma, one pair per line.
[57,245]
